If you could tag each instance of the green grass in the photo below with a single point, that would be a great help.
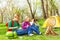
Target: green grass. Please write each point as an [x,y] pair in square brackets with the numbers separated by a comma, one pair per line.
[34,37]
[3,31]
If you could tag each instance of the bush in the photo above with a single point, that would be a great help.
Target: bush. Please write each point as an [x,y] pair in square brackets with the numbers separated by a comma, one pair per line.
[41,21]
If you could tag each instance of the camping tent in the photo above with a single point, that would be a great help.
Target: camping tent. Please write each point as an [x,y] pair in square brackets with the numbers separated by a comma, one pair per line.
[52,21]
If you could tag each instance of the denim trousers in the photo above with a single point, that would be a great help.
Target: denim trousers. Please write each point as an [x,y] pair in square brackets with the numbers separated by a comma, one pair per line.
[28,30]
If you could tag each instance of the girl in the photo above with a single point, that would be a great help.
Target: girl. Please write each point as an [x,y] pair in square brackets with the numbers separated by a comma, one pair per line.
[26,26]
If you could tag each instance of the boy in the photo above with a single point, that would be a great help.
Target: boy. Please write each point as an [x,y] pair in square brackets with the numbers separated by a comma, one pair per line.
[13,25]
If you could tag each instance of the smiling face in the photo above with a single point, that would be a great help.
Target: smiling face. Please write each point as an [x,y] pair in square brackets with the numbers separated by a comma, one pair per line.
[16,17]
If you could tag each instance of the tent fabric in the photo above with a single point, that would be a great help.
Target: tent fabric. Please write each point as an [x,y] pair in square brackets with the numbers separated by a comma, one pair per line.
[53,21]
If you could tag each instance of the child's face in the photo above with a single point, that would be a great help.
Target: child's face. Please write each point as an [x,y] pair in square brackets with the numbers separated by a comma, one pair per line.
[16,18]
[28,19]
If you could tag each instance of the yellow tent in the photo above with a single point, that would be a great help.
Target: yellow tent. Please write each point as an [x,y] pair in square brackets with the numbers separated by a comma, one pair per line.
[52,21]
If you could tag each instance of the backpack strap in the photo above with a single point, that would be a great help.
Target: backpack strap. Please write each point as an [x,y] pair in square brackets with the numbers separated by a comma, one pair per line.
[6,24]
[12,23]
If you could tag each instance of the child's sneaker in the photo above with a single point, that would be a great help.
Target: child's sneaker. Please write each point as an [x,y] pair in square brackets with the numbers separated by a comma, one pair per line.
[30,34]
[40,33]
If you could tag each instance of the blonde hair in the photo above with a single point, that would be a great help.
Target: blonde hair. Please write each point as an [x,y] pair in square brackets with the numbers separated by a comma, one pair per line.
[26,17]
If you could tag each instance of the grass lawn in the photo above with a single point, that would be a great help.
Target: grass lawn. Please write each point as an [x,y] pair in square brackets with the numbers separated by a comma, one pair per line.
[34,37]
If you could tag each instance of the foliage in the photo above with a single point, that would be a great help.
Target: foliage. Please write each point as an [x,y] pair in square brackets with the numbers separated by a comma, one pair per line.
[41,21]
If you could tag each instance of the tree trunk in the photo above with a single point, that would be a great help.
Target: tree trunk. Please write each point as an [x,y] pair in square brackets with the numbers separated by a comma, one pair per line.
[1,17]
[54,12]
[30,9]
[47,8]
[43,9]
[51,12]
[57,12]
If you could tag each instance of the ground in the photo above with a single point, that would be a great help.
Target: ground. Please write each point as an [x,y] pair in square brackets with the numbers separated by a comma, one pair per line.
[34,37]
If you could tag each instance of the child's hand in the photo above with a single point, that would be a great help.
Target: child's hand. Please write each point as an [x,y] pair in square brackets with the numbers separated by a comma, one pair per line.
[10,28]
[15,27]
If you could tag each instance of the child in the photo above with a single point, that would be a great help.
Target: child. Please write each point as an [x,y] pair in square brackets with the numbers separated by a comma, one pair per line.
[26,25]
[34,27]
[13,25]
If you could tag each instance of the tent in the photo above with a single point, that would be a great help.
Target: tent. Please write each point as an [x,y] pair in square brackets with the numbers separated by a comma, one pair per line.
[53,21]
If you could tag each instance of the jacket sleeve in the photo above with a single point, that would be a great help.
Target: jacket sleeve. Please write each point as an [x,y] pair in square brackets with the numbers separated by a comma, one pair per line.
[23,25]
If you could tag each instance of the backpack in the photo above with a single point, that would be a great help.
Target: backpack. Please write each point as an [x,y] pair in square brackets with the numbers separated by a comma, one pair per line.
[11,24]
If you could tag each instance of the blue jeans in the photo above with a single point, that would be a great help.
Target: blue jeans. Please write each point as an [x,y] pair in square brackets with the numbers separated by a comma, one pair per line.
[24,31]
[28,30]
[21,31]
[35,28]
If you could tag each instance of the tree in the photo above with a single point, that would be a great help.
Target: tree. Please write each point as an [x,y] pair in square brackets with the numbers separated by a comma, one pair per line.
[54,8]
[57,12]
[32,13]
[43,9]
[1,17]
[47,8]
[2,11]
